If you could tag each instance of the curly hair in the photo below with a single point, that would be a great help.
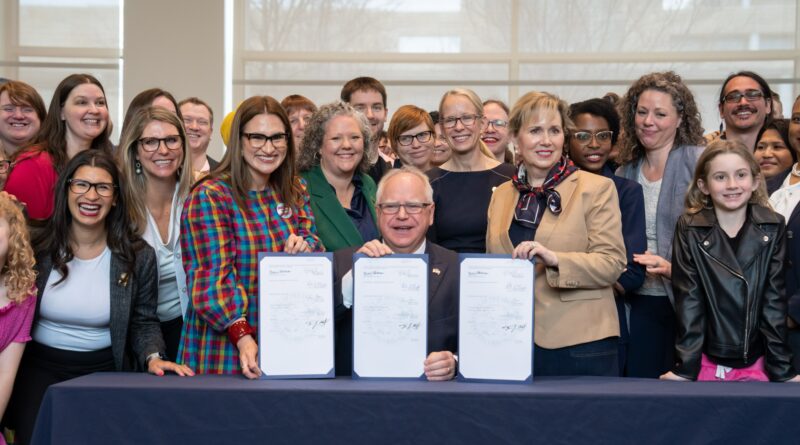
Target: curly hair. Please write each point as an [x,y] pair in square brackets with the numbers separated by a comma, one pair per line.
[18,271]
[318,126]
[690,131]
[696,200]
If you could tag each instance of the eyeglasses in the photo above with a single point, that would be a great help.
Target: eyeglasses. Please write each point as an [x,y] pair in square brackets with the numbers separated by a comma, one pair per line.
[5,166]
[735,96]
[200,122]
[151,144]
[498,123]
[412,208]
[466,120]
[258,140]
[81,187]
[584,137]
[407,139]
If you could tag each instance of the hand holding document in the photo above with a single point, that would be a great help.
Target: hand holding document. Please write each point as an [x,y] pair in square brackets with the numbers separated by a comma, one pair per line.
[495,341]
[390,316]
[295,327]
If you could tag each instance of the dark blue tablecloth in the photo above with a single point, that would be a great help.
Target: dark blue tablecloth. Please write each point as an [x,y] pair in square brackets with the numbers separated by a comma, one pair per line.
[113,408]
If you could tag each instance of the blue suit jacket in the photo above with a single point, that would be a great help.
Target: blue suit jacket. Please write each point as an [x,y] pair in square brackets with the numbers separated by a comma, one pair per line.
[442,304]
[631,206]
[791,270]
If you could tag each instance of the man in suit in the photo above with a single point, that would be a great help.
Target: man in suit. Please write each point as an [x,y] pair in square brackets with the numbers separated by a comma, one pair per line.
[199,121]
[404,208]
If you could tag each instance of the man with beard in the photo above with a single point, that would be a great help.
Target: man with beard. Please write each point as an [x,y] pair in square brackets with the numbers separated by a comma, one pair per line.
[745,104]
[368,95]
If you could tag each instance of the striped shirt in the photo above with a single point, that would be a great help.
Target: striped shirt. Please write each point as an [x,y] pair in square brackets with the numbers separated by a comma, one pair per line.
[221,243]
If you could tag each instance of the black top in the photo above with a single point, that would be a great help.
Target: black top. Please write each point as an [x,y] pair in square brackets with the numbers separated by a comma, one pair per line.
[359,213]
[462,199]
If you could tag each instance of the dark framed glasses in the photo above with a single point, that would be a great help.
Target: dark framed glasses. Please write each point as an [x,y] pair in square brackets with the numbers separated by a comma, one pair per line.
[81,187]
[151,144]
[258,140]
[407,139]
[412,208]
[735,96]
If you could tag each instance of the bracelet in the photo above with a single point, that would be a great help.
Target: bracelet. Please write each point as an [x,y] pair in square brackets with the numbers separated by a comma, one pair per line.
[239,329]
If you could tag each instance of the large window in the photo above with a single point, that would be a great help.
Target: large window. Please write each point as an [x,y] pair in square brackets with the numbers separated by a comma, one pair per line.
[503,48]
[45,41]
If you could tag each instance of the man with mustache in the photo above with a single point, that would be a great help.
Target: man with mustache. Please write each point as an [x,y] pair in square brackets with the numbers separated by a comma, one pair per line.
[745,103]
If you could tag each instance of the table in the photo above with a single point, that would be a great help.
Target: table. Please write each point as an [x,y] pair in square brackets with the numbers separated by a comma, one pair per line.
[107,408]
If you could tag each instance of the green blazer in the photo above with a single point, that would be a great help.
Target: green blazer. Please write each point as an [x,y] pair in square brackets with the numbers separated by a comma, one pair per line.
[334,227]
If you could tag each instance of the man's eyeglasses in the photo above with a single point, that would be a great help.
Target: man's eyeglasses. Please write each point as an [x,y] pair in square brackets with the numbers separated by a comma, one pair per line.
[408,139]
[498,123]
[735,96]
[412,208]
[81,187]
[258,140]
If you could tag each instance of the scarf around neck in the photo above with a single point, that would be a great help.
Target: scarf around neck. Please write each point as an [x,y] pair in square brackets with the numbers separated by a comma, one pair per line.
[529,210]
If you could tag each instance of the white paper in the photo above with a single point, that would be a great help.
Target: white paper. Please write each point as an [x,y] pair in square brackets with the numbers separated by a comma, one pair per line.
[495,339]
[390,316]
[295,315]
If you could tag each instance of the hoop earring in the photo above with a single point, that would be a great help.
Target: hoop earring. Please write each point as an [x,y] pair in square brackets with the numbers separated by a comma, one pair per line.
[137,167]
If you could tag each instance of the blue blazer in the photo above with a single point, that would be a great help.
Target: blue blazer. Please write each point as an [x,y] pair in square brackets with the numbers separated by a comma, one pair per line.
[442,304]
[631,205]
[791,269]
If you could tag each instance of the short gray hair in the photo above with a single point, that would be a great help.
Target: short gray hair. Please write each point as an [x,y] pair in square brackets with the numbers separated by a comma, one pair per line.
[315,135]
[406,169]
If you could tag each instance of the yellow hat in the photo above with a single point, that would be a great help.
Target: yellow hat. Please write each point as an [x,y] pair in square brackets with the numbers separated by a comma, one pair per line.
[225,126]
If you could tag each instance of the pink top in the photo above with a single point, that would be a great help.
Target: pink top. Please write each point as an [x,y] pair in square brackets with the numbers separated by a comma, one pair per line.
[32,181]
[15,322]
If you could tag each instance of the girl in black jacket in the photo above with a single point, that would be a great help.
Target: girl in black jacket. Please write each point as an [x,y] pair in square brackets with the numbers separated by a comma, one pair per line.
[727,275]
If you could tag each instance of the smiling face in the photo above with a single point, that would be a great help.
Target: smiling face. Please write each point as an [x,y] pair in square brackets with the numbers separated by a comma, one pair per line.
[262,161]
[404,232]
[85,113]
[744,115]
[370,102]
[441,151]
[772,154]
[89,210]
[19,123]
[593,154]
[656,121]
[342,147]
[197,120]
[418,153]
[729,183]
[162,163]
[541,144]
[496,136]
[462,138]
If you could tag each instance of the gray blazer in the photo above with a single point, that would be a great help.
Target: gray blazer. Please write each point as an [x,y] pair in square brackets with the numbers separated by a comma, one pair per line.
[678,174]
[135,331]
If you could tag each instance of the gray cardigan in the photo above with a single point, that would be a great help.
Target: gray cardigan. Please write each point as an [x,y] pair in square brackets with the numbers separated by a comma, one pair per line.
[135,331]
[678,174]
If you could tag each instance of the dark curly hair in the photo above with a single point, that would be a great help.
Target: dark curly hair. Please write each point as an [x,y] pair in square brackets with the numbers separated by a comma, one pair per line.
[690,131]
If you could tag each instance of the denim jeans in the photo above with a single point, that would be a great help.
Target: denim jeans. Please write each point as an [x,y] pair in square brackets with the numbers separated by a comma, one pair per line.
[593,358]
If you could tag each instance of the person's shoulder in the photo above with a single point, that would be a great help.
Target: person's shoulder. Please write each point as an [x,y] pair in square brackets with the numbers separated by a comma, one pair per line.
[442,253]
[216,187]
[593,180]
[435,174]
[626,186]
[505,169]
[33,158]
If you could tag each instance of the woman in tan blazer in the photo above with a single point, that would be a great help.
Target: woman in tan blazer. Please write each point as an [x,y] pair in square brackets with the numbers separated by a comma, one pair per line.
[569,221]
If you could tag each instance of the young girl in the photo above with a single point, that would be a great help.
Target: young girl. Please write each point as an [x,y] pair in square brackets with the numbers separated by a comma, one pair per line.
[727,275]
[17,294]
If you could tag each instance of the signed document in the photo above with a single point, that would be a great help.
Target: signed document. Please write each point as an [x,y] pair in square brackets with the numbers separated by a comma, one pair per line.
[495,330]
[390,316]
[295,315]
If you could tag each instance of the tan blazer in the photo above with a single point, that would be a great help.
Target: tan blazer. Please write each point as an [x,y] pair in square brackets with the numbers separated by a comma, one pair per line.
[574,303]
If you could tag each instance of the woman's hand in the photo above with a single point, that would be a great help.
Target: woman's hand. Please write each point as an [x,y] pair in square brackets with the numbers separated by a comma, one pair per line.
[669,375]
[248,357]
[654,264]
[375,249]
[157,366]
[440,365]
[530,249]
[795,379]
[296,244]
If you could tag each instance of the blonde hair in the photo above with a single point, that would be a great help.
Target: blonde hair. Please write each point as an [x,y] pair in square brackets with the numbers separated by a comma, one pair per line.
[475,100]
[20,277]
[535,103]
[696,200]
[126,159]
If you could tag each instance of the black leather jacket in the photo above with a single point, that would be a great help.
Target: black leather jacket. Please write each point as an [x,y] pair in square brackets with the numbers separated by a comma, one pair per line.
[730,305]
